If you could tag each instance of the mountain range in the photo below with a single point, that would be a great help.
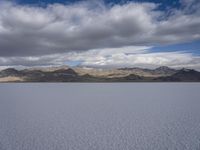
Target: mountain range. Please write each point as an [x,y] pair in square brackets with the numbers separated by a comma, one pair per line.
[81,74]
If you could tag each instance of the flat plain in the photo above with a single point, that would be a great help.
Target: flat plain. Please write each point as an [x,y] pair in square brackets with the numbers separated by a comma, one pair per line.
[100,116]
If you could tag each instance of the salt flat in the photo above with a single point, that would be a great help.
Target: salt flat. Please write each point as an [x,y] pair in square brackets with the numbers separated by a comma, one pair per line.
[100,116]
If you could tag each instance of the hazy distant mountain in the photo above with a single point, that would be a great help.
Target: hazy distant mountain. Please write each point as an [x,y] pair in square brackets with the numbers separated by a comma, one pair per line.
[187,75]
[9,72]
[164,70]
[66,74]
[161,71]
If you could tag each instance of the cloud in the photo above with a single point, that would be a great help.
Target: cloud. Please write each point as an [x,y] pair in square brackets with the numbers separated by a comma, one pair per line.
[135,56]
[190,6]
[59,59]
[58,28]
[96,34]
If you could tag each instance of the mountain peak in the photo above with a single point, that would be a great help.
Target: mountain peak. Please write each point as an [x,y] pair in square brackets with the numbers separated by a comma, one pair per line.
[164,68]
[9,72]
[186,70]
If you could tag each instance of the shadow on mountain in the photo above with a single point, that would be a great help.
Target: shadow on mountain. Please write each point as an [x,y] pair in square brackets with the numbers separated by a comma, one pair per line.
[184,75]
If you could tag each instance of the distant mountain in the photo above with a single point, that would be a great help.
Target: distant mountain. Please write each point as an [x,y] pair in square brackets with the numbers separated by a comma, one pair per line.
[66,74]
[160,71]
[164,70]
[186,75]
[10,72]
[60,75]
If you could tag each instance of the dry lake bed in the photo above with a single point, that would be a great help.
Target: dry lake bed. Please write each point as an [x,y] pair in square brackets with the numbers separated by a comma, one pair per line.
[100,116]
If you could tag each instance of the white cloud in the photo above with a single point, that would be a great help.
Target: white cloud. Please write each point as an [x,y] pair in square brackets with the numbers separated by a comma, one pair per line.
[136,56]
[31,30]
[140,57]
[96,34]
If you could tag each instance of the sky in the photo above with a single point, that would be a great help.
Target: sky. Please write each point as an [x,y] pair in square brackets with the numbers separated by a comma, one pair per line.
[100,33]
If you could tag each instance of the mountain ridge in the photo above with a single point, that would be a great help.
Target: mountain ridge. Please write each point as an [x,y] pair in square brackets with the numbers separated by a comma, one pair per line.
[67,74]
